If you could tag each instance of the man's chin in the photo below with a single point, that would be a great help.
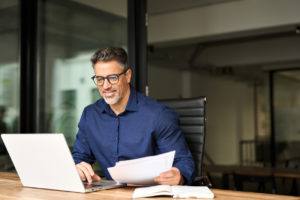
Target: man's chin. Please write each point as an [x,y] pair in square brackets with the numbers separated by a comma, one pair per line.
[111,101]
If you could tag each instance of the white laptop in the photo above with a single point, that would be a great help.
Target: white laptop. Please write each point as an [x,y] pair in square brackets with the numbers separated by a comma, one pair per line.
[45,161]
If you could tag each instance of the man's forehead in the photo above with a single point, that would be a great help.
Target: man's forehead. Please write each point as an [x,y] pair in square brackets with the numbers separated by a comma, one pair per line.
[109,63]
[106,68]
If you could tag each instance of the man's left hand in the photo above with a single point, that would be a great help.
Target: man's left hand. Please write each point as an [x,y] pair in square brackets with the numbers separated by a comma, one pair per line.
[171,177]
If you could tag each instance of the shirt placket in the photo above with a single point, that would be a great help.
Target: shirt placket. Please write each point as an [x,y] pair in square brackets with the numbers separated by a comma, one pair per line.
[116,140]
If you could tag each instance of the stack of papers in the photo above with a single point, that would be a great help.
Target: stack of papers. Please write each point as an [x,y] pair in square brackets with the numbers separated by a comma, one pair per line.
[142,171]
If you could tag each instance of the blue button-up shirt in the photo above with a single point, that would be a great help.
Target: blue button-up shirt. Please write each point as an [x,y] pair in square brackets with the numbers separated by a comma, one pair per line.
[145,128]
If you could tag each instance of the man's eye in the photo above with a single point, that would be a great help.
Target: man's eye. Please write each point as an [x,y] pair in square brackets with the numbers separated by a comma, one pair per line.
[113,77]
[99,78]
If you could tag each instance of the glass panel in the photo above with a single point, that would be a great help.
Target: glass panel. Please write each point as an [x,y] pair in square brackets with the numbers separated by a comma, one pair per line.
[9,74]
[287,117]
[69,33]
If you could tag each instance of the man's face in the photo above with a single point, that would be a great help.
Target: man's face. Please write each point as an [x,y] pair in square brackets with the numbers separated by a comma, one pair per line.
[112,94]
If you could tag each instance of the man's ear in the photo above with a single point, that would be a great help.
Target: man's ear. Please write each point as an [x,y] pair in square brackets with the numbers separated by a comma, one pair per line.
[128,75]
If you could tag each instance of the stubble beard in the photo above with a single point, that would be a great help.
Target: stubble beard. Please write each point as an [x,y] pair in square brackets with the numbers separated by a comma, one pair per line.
[112,100]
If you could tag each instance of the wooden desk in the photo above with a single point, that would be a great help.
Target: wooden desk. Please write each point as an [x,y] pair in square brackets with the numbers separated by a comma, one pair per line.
[250,171]
[286,173]
[11,189]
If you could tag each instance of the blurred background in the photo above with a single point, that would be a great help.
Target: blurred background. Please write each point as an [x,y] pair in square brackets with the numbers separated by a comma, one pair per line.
[243,55]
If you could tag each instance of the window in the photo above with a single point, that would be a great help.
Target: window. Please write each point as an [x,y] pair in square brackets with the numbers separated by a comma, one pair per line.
[70,32]
[9,74]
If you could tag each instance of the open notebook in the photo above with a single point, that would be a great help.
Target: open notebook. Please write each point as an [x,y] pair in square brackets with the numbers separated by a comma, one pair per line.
[45,161]
[179,191]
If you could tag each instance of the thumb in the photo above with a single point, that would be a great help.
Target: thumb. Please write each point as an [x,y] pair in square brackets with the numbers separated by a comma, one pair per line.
[96,177]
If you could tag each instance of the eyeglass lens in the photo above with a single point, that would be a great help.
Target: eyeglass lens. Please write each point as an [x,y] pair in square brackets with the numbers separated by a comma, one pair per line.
[112,79]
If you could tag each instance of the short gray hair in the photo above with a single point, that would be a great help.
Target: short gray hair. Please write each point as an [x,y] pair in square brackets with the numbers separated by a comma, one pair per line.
[111,53]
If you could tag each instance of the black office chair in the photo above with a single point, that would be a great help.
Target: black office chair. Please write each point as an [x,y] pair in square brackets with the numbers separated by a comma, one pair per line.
[192,121]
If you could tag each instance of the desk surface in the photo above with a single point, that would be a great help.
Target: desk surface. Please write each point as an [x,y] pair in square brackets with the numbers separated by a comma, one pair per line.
[11,189]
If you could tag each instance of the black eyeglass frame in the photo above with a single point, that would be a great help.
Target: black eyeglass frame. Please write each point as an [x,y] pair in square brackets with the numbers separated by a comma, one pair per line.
[108,78]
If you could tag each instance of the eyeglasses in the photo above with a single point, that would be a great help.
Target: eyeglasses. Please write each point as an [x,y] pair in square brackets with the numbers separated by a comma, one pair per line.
[112,79]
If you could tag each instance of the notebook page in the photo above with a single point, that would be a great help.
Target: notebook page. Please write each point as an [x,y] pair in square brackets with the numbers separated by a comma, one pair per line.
[152,191]
[192,192]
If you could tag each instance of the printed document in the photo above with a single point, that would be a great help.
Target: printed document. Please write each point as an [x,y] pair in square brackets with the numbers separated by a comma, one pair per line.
[142,171]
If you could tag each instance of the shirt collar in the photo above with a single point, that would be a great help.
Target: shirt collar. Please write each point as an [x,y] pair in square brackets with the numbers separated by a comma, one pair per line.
[131,104]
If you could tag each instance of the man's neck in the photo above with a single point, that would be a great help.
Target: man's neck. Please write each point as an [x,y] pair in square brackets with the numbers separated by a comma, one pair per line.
[121,105]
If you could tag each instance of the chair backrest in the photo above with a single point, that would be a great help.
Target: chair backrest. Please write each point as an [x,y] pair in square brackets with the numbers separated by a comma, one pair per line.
[192,121]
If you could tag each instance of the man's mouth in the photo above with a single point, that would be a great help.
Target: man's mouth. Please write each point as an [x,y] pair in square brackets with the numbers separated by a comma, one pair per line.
[109,93]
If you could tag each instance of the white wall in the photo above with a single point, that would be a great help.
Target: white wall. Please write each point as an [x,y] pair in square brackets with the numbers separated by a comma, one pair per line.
[230,111]
[164,82]
[230,115]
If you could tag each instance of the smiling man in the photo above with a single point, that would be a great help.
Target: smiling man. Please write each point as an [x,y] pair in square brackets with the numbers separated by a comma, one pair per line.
[126,124]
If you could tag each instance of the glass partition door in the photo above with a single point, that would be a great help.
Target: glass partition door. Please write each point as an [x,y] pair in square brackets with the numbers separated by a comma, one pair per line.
[287,117]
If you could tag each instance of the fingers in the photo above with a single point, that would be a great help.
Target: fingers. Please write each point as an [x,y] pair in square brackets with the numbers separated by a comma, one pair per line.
[172,177]
[82,176]
[166,180]
[86,172]
[96,177]
[168,174]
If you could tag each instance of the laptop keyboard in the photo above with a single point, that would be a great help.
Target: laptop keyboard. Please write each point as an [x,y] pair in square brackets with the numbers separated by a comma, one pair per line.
[94,184]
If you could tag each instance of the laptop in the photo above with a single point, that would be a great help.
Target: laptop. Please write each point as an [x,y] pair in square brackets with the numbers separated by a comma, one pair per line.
[45,161]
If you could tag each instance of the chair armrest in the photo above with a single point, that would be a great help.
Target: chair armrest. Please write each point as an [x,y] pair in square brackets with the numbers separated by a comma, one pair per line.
[202,181]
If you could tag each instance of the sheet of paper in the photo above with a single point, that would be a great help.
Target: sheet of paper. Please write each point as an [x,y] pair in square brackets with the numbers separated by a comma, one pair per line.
[165,156]
[142,170]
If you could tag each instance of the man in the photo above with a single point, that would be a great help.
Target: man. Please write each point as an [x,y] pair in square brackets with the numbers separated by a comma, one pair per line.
[126,125]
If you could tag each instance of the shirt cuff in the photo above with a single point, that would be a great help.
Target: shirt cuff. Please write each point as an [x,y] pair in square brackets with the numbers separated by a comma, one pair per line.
[188,174]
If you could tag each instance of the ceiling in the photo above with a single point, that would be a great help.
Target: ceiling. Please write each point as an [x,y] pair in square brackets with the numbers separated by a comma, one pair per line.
[250,49]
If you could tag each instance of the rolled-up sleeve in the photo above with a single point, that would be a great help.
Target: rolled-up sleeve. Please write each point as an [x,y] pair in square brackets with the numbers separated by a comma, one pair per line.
[169,137]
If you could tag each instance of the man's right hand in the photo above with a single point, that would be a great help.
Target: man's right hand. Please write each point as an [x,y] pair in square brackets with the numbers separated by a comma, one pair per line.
[86,172]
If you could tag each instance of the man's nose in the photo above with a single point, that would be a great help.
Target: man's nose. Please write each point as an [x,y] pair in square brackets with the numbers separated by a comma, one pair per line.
[106,84]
